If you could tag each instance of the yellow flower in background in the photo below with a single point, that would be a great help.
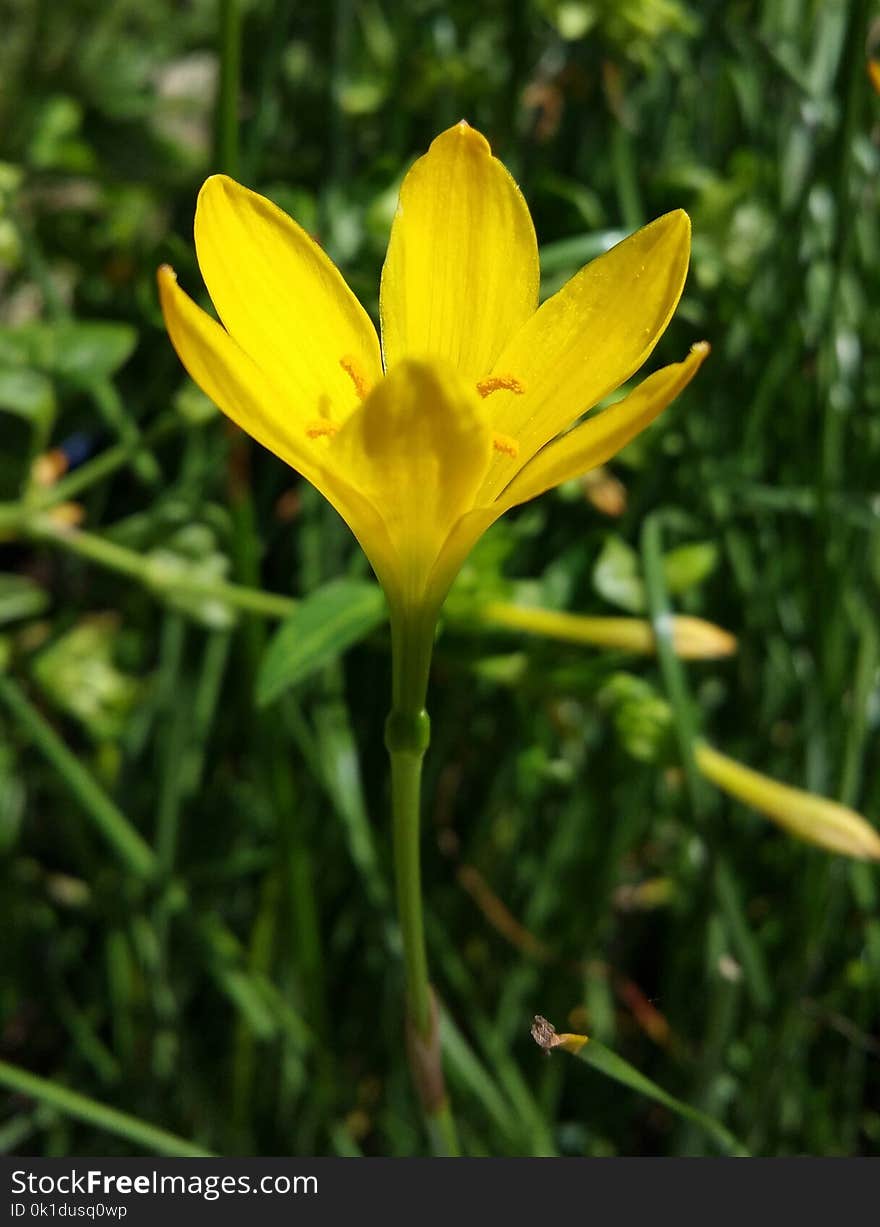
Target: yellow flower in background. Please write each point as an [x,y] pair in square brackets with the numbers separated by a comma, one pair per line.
[692,638]
[465,409]
[832,826]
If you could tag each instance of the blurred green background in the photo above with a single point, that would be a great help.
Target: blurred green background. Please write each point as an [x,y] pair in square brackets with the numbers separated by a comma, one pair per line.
[196,907]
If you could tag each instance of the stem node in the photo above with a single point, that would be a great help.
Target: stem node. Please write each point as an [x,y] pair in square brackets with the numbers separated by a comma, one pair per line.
[407,732]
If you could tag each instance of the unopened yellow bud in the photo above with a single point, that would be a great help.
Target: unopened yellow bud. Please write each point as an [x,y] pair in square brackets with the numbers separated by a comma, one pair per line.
[693,638]
[697,639]
[803,814]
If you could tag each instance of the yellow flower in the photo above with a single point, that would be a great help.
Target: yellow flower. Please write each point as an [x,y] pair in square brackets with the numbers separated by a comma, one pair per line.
[465,410]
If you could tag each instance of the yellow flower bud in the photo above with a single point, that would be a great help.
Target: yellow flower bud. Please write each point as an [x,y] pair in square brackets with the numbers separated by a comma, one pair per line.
[803,814]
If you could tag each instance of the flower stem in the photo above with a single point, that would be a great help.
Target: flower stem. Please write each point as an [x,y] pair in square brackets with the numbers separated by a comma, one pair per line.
[406,775]
[407,734]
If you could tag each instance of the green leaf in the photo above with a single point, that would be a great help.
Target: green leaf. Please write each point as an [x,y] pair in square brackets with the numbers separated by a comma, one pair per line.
[617,576]
[187,570]
[78,675]
[688,565]
[323,626]
[613,1066]
[20,597]
[79,350]
[92,350]
[28,394]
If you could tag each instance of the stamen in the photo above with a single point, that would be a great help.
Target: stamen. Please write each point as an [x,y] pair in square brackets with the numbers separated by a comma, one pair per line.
[498,383]
[356,375]
[321,430]
[505,445]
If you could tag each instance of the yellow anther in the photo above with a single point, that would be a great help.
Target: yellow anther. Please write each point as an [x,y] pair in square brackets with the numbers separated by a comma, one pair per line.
[498,383]
[356,375]
[321,430]
[505,445]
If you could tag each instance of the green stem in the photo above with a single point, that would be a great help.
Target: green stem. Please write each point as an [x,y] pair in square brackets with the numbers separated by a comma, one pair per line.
[406,775]
[102,465]
[671,667]
[687,734]
[442,1132]
[230,72]
[152,572]
[407,735]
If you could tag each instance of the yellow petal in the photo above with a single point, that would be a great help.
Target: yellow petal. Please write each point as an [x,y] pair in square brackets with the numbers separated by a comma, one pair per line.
[588,339]
[248,396]
[584,447]
[230,378]
[815,819]
[417,449]
[461,274]
[601,437]
[284,301]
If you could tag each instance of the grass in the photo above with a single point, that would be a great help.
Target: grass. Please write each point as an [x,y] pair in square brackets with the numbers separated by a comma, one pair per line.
[201,950]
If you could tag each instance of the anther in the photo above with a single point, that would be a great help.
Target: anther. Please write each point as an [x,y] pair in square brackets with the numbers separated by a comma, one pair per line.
[321,430]
[505,445]
[356,375]
[498,383]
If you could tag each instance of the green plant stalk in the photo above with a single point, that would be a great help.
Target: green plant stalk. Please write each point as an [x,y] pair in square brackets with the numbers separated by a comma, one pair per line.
[675,682]
[670,666]
[230,71]
[143,1135]
[407,735]
[103,465]
[406,775]
[151,573]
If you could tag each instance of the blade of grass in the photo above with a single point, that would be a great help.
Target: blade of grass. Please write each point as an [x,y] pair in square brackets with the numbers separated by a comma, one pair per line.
[142,1134]
[110,821]
[747,947]
[608,1063]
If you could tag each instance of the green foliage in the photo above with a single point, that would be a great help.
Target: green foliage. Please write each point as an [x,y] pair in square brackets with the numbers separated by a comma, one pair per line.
[327,623]
[618,579]
[79,351]
[78,674]
[195,896]
[20,597]
[642,719]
